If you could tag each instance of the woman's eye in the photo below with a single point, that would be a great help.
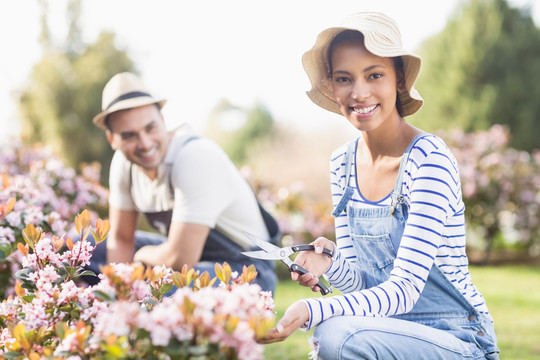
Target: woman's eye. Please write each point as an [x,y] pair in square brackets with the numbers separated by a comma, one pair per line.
[340,79]
[375,76]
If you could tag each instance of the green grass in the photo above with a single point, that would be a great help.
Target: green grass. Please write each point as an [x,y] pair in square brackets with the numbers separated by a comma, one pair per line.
[513,297]
[512,294]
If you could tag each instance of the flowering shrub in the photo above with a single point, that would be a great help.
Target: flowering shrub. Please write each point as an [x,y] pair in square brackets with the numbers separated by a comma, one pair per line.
[500,186]
[500,189]
[127,315]
[37,189]
[300,220]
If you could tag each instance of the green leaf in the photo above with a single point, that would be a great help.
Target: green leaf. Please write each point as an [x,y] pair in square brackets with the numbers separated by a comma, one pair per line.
[75,314]
[12,355]
[151,302]
[165,288]
[59,328]
[70,270]
[86,273]
[5,250]
[28,285]
[104,296]
[24,274]
[177,351]
[199,350]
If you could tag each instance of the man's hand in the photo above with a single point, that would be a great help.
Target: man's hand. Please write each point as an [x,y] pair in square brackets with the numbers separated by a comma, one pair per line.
[183,247]
[152,255]
[315,262]
[296,315]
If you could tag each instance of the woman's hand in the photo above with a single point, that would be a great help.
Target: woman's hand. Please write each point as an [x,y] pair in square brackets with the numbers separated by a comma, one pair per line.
[296,315]
[315,262]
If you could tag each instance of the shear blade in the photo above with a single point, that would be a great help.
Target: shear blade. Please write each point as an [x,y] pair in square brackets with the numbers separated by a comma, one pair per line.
[265,245]
[260,254]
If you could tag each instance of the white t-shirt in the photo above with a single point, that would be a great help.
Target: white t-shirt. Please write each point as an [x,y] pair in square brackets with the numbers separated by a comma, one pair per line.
[208,189]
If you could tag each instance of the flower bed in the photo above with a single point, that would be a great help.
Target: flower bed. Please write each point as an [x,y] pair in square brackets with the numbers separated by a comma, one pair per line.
[36,188]
[127,315]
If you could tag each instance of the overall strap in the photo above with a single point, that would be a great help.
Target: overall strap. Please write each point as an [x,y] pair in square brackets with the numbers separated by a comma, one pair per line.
[347,191]
[171,187]
[269,221]
[349,160]
[396,196]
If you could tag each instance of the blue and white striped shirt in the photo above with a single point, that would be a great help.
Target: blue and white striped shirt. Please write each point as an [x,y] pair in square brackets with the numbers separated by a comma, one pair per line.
[434,235]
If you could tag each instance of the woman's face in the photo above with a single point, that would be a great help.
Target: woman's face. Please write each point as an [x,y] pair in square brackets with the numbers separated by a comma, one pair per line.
[364,85]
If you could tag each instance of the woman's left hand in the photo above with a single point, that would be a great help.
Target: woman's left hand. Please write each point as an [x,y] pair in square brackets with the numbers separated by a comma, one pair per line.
[296,315]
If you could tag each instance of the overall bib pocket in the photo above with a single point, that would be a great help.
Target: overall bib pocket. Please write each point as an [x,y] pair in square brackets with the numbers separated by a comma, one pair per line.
[376,250]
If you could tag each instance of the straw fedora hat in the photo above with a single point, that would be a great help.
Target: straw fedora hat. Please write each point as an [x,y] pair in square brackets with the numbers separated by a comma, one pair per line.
[124,91]
[381,38]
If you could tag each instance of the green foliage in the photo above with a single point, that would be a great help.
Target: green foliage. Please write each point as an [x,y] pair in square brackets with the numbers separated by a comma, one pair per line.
[63,94]
[258,125]
[481,70]
[239,143]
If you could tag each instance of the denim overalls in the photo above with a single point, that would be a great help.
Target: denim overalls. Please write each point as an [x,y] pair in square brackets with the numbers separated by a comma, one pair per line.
[438,322]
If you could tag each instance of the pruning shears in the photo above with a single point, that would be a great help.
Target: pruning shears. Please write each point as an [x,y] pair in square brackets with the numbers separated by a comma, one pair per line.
[271,252]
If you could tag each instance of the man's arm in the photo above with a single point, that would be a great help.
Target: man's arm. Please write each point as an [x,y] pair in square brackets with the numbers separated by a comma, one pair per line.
[121,240]
[184,246]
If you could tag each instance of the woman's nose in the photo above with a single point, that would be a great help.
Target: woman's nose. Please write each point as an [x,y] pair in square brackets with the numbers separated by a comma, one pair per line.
[360,91]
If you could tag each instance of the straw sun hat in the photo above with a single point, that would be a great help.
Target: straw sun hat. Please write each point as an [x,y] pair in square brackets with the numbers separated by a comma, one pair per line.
[381,38]
[124,91]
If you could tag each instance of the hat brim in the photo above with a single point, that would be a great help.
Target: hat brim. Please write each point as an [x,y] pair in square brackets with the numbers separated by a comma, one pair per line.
[316,66]
[99,119]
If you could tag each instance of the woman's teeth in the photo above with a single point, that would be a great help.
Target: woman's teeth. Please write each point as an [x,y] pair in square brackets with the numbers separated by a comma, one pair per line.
[364,110]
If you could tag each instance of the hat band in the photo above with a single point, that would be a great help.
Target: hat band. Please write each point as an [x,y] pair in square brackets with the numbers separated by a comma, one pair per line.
[129,95]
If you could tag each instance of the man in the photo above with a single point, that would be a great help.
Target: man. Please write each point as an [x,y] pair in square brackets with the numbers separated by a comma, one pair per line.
[186,186]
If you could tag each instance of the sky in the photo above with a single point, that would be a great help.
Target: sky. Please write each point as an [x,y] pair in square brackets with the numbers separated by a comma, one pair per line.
[195,53]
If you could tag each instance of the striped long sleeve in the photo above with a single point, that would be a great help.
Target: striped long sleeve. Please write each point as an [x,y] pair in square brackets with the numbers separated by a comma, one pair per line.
[434,235]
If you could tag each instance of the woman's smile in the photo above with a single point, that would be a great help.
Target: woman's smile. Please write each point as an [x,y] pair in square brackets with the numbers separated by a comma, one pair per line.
[364,111]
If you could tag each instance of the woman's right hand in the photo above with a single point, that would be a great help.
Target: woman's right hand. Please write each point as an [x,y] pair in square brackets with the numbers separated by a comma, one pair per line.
[315,262]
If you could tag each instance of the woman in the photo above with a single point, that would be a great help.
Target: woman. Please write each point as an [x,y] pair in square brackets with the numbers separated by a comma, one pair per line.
[400,260]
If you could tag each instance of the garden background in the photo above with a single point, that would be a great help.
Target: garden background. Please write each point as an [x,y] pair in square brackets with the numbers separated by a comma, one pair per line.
[479,80]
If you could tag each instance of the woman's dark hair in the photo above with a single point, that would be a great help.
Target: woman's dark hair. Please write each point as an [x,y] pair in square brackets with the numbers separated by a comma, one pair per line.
[344,37]
[354,36]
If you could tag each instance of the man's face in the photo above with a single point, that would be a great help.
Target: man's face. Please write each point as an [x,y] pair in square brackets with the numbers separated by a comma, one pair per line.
[140,134]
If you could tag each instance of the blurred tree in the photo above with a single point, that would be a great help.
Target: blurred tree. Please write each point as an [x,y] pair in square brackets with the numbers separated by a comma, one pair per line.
[250,127]
[482,69]
[258,126]
[63,93]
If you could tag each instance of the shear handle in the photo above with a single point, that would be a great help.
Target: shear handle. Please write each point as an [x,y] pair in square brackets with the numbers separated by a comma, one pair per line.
[307,247]
[298,269]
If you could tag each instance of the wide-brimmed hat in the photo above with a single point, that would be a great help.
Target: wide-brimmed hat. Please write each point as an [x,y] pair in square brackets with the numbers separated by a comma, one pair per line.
[124,91]
[381,38]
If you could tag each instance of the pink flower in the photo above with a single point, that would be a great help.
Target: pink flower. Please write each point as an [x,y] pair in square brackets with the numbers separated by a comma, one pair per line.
[6,235]
[46,277]
[141,290]
[14,219]
[5,338]
[160,335]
